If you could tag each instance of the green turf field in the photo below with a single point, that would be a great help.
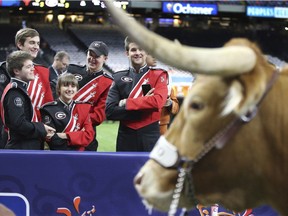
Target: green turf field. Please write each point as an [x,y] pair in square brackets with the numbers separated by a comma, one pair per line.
[106,136]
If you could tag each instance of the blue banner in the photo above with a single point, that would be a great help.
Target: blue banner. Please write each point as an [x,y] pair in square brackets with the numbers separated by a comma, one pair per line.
[52,183]
[188,8]
[9,3]
[272,12]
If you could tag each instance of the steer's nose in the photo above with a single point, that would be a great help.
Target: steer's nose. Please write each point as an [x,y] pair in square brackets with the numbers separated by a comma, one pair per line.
[138,178]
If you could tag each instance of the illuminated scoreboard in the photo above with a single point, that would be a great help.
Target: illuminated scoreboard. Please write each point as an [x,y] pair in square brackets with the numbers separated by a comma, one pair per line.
[60,3]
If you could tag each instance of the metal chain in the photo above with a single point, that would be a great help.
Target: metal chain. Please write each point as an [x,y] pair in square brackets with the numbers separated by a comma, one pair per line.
[177,192]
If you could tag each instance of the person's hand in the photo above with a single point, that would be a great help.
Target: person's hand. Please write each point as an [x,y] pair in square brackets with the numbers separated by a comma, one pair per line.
[122,103]
[150,92]
[50,131]
[62,135]
[168,102]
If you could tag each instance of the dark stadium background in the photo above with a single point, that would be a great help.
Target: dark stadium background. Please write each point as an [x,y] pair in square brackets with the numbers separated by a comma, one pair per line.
[49,181]
[66,25]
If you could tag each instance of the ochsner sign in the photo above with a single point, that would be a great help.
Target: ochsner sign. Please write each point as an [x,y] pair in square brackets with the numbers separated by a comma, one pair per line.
[188,8]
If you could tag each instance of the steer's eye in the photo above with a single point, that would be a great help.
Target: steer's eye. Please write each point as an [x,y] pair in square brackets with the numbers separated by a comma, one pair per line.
[196,106]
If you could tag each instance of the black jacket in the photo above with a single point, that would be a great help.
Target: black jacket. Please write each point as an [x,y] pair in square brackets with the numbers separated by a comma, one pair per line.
[17,114]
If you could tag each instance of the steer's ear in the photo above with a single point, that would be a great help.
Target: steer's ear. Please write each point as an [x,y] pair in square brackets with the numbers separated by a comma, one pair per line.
[253,82]
[233,98]
[243,96]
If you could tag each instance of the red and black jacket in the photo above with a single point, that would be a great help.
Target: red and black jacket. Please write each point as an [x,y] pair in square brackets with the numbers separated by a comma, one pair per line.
[93,88]
[72,119]
[39,89]
[139,111]
[18,116]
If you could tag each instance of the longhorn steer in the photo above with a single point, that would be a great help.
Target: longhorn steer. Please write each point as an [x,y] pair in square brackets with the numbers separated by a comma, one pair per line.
[252,168]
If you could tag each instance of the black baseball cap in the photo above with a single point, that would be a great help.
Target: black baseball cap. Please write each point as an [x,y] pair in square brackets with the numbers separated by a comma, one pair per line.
[99,48]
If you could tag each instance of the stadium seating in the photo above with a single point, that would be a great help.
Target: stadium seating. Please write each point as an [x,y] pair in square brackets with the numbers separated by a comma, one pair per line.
[75,39]
[117,59]
[60,40]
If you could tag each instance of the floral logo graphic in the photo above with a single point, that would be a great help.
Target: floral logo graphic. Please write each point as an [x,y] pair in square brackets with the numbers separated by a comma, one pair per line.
[76,203]
[214,211]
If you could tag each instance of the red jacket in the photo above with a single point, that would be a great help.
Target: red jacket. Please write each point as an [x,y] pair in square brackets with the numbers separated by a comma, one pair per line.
[73,119]
[39,89]
[95,92]
[139,111]
[93,88]
[80,131]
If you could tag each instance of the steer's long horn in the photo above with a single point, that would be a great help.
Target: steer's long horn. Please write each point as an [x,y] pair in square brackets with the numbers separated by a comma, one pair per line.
[226,61]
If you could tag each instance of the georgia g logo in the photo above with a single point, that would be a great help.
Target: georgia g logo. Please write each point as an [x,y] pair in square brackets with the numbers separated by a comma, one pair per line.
[60,115]
[126,79]
[78,77]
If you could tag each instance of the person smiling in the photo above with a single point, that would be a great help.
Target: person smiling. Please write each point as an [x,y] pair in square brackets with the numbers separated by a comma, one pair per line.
[70,118]
[94,84]
[39,90]
[17,112]
[137,110]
